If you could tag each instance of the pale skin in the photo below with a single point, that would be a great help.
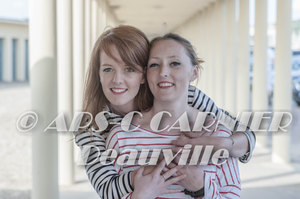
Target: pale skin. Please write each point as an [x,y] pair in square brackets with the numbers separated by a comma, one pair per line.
[237,144]
[167,62]
[153,184]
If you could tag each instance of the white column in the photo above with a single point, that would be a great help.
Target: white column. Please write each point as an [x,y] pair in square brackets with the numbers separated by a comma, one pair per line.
[231,58]
[7,60]
[94,20]
[21,59]
[87,33]
[221,53]
[211,50]
[199,46]
[105,16]
[78,57]
[282,83]
[101,16]
[65,89]
[42,38]
[259,83]
[78,52]
[205,54]
[243,79]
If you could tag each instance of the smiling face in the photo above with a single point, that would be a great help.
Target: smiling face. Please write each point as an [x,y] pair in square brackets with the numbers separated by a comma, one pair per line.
[120,82]
[169,70]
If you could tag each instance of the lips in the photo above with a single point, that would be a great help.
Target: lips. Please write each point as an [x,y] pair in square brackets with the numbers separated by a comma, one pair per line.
[165,85]
[118,91]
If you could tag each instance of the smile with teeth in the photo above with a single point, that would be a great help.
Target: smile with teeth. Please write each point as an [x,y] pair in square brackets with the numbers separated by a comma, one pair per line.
[165,85]
[118,90]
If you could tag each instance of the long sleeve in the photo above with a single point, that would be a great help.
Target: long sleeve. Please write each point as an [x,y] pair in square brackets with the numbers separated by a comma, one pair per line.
[198,99]
[104,178]
[225,182]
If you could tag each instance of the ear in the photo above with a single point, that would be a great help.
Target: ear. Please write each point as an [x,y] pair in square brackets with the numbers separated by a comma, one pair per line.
[195,73]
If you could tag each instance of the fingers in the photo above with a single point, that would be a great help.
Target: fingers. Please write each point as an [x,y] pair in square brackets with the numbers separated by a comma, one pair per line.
[181,141]
[165,169]
[171,165]
[159,167]
[174,180]
[177,149]
[170,173]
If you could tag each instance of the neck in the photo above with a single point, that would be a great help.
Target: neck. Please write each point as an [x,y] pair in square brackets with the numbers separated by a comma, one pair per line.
[176,108]
[123,109]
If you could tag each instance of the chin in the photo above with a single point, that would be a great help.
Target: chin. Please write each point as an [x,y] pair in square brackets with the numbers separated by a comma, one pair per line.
[165,99]
[118,103]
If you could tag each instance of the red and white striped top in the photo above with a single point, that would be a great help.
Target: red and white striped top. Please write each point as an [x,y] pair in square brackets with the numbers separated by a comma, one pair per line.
[220,181]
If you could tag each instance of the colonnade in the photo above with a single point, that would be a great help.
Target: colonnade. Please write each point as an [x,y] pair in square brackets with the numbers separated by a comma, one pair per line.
[62,34]
[13,40]
[223,41]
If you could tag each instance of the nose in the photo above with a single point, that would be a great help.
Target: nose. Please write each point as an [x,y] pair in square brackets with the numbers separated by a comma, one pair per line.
[164,70]
[118,77]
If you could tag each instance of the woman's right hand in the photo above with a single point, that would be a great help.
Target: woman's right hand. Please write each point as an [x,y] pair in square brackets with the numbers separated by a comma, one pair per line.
[154,184]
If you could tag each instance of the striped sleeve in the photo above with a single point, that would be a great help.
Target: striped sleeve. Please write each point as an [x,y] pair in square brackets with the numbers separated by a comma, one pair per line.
[226,183]
[104,178]
[198,99]
[112,143]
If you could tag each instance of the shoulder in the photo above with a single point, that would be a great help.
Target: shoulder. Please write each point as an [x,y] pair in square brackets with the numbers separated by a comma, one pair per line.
[113,136]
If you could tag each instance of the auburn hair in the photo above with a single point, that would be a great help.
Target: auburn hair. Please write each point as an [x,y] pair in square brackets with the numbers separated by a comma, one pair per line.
[133,47]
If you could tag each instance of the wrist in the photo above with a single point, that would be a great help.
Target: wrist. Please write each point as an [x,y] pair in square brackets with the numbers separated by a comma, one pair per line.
[227,143]
[135,195]
[195,194]
[195,188]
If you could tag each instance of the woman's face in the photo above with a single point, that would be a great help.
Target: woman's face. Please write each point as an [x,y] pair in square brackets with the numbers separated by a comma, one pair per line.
[120,82]
[169,70]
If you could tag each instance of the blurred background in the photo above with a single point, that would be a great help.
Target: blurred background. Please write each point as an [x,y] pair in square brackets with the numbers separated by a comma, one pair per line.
[251,51]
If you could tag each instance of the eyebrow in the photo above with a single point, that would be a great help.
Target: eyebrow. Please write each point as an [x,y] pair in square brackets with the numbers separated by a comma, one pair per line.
[173,56]
[106,65]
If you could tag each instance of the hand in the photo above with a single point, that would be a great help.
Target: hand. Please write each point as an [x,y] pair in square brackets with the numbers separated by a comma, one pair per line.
[194,179]
[208,126]
[154,184]
[193,139]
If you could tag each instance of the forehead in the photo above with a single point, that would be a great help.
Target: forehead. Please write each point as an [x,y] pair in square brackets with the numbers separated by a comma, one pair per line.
[167,47]
[110,52]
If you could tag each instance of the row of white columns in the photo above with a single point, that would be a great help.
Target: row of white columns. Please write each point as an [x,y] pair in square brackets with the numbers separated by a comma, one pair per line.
[20,59]
[77,25]
[223,42]
[62,34]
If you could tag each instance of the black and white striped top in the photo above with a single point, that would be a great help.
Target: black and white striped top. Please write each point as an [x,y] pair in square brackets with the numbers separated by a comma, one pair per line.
[105,179]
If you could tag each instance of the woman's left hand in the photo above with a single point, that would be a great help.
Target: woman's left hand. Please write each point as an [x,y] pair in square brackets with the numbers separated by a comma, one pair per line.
[194,179]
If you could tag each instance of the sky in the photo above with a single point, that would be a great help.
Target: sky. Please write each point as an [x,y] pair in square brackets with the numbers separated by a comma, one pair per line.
[18,9]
